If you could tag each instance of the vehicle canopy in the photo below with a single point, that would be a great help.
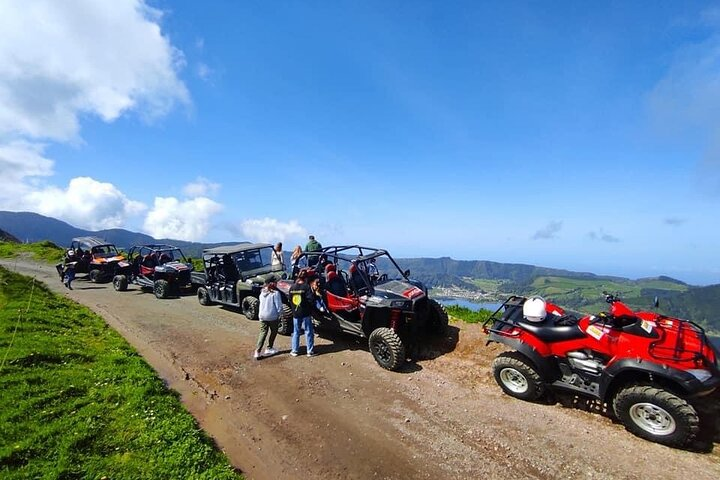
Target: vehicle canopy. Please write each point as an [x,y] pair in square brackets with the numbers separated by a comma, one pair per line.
[248,259]
[96,246]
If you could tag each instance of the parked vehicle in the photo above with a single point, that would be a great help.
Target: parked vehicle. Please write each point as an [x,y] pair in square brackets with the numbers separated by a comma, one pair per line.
[235,274]
[160,268]
[385,305]
[654,371]
[95,257]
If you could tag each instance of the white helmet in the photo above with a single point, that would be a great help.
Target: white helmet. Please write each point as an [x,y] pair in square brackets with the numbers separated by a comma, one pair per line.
[534,309]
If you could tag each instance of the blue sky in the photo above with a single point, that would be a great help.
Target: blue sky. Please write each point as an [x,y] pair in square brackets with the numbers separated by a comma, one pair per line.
[579,135]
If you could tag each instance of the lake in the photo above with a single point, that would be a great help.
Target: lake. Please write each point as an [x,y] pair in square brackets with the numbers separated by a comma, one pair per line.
[475,306]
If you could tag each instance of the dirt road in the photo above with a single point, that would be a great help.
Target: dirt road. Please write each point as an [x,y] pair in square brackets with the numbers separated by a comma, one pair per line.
[339,415]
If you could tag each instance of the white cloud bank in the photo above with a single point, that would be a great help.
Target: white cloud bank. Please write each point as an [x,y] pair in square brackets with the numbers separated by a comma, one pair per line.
[181,220]
[85,203]
[59,60]
[270,230]
[63,61]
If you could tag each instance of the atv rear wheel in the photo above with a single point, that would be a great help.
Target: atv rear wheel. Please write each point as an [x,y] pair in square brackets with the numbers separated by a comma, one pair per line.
[656,415]
[517,376]
[120,283]
[387,348]
[251,307]
[438,323]
[285,327]
[203,296]
[161,288]
[94,275]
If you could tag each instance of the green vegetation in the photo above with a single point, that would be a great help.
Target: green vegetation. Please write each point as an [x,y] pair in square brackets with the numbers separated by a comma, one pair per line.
[485,284]
[76,401]
[45,251]
[467,315]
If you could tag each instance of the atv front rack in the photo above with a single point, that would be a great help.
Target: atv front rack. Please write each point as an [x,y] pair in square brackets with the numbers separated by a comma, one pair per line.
[680,329]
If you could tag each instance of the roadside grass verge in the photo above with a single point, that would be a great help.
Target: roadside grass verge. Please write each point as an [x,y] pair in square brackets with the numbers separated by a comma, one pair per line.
[466,315]
[45,250]
[76,401]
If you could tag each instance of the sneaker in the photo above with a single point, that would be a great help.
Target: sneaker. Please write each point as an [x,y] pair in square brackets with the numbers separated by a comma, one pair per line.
[293,354]
[69,286]
[270,351]
[311,354]
[256,355]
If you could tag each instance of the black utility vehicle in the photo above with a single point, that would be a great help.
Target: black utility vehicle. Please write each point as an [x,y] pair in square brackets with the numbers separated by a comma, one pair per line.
[368,295]
[95,257]
[162,268]
[235,274]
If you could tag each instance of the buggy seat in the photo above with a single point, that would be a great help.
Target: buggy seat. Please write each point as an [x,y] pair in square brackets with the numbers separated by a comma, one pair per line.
[342,304]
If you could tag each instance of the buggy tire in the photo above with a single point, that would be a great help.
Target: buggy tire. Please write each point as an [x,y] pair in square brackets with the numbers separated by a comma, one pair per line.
[438,321]
[250,307]
[203,296]
[517,376]
[120,283]
[94,275]
[161,288]
[386,348]
[657,415]
[285,327]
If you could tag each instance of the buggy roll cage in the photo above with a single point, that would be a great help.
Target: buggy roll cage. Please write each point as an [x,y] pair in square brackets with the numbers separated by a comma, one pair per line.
[338,252]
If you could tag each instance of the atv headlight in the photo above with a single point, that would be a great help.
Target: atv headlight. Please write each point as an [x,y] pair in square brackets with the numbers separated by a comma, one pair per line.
[400,304]
[700,374]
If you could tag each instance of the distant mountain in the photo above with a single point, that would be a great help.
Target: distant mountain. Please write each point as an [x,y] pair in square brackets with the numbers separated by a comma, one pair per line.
[6,237]
[701,304]
[33,227]
[446,271]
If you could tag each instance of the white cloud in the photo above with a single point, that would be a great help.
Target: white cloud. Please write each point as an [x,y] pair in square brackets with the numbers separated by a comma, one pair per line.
[85,203]
[20,164]
[203,71]
[548,231]
[201,187]
[181,220]
[61,60]
[270,230]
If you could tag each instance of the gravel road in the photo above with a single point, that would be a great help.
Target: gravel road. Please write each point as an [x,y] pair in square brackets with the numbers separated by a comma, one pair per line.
[339,415]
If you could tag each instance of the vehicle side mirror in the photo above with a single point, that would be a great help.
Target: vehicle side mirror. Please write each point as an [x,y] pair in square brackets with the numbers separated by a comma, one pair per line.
[406,273]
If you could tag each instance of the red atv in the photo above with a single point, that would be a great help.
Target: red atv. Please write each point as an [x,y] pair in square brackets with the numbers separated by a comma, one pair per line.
[654,370]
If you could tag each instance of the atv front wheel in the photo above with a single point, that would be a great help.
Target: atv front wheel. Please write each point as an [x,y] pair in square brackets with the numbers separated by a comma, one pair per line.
[517,376]
[161,288]
[438,323]
[203,296]
[120,283]
[387,348]
[285,327]
[94,275]
[251,307]
[656,415]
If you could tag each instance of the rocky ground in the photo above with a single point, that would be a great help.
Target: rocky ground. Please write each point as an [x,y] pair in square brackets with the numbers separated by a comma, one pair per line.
[339,415]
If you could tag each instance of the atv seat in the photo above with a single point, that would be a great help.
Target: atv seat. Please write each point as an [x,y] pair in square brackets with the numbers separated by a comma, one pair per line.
[146,271]
[547,331]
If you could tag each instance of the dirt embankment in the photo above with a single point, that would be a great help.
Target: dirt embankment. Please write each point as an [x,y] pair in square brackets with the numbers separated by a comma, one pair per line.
[339,415]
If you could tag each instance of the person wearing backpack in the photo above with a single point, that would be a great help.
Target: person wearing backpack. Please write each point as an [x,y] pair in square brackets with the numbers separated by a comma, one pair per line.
[269,315]
[301,303]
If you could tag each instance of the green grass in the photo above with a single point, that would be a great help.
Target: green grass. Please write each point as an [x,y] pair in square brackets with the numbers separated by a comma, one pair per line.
[485,284]
[76,401]
[467,315]
[45,251]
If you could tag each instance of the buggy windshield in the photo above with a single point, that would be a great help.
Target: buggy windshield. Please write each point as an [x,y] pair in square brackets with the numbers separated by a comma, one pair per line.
[256,259]
[105,251]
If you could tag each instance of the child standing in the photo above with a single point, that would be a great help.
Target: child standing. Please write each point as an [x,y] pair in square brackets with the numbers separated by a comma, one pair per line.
[269,314]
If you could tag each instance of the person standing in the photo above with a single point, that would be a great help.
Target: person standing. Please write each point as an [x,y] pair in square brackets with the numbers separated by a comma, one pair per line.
[312,246]
[69,274]
[301,303]
[269,314]
[277,256]
[294,259]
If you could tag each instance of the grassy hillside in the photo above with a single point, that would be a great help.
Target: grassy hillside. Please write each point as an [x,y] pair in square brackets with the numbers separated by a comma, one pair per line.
[45,251]
[76,401]
[701,304]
